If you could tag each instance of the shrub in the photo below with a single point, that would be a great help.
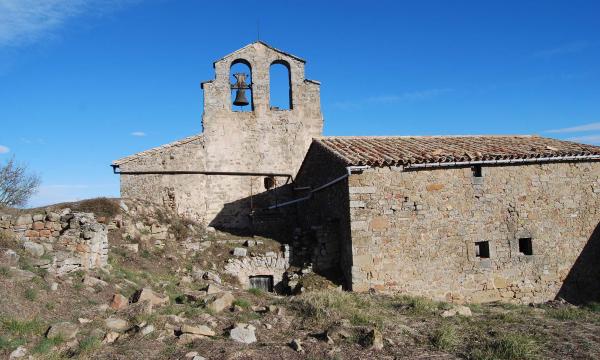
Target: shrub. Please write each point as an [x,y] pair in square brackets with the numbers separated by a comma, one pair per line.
[508,347]
[593,307]
[16,185]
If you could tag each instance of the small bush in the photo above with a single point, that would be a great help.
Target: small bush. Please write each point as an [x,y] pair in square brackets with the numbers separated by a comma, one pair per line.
[30,294]
[508,347]
[7,238]
[445,338]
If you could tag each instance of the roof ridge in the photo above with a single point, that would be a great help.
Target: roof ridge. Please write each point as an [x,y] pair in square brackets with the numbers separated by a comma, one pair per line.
[179,142]
[422,136]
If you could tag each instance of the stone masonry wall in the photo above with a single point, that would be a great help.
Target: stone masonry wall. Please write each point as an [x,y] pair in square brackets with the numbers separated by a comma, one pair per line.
[415,231]
[62,242]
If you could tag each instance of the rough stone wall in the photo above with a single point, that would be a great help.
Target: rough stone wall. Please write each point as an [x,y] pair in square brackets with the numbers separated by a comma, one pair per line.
[184,193]
[264,140]
[268,264]
[415,231]
[324,218]
[62,242]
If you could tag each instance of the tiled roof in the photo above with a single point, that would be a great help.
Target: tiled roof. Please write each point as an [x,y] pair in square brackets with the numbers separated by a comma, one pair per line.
[410,150]
[157,149]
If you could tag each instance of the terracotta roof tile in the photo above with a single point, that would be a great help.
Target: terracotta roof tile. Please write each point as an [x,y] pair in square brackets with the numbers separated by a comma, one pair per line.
[407,150]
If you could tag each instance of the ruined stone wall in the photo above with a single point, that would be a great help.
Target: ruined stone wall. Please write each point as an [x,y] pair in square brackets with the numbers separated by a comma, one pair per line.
[62,242]
[415,231]
[324,219]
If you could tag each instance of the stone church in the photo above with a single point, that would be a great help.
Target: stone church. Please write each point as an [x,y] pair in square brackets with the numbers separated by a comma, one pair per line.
[457,218]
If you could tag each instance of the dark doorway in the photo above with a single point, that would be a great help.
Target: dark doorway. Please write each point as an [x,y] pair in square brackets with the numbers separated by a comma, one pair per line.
[263,282]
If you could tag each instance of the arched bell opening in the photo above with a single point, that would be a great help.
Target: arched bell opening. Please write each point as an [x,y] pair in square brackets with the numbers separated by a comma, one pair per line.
[240,78]
[280,86]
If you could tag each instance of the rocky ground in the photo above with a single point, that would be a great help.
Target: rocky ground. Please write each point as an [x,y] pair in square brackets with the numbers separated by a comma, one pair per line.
[164,294]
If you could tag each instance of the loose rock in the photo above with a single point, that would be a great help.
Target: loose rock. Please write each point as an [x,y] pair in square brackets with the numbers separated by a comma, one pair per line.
[243,333]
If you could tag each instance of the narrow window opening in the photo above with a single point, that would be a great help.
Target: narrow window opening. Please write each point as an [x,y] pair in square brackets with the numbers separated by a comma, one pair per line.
[482,249]
[477,172]
[280,86]
[525,246]
[270,182]
[240,77]
[263,282]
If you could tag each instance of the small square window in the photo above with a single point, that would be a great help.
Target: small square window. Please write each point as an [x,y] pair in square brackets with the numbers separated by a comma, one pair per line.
[482,249]
[477,172]
[525,246]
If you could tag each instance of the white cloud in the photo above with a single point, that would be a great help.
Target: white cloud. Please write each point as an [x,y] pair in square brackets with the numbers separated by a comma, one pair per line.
[411,96]
[588,139]
[568,48]
[26,21]
[578,128]
[138,133]
[4,149]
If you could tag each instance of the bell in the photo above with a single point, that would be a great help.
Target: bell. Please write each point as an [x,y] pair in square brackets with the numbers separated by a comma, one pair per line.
[240,98]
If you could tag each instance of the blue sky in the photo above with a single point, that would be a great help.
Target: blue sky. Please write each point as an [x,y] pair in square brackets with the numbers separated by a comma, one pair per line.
[84,82]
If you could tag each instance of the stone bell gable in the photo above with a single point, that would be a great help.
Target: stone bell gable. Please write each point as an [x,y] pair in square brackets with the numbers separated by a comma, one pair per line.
[264,139]
[215,176]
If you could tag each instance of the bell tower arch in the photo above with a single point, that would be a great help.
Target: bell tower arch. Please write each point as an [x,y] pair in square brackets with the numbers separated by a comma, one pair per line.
[261,140]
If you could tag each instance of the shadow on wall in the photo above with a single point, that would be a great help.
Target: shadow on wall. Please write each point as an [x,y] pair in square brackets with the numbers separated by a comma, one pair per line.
[582,284]
[249,216]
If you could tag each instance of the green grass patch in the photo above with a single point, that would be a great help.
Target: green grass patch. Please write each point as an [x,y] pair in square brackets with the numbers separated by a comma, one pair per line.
[508,347]
[415,305]
[30,294]
[330,305]
[88,344]
[4,271]
[256,291]
[593,307]
[445,337]
[10,344]
[23,327]
[243,303]
[47,344]
[566,313]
